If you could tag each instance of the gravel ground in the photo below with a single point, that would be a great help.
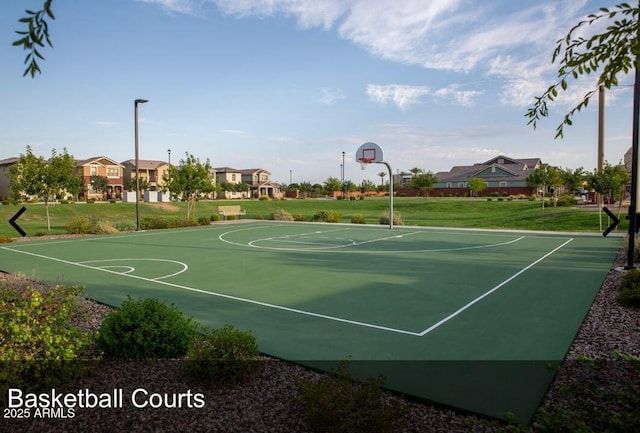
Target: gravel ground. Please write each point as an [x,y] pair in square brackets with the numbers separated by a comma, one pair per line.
[267,403]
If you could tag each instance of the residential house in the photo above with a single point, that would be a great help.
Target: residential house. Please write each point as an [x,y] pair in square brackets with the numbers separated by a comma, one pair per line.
[105,167]
[5,177]
[501,174]
[151,171]
[230,181]
[259,181]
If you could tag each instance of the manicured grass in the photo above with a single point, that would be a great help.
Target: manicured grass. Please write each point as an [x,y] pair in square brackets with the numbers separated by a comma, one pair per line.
[437,212]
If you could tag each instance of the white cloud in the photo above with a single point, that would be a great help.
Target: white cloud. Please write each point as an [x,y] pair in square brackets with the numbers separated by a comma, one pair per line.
[400,95]
[178,6]
[330,96]
[105,124]
[233,132]
[513,44]
[459,97]
[404,96]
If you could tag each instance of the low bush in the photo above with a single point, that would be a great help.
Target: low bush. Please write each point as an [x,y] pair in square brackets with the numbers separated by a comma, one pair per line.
[215,217]
[358,219]
[204,221]
[298,217]
[340,403]
[38,335]
[397,218]
[328,216]
[103,226]
[225,355]
[566,200]
[79,225]
[282,215]
[629,294]
[146,328]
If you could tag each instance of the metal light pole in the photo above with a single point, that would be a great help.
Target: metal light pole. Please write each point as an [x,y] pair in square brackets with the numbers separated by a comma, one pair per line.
[344,188]
[135,123]
[169,171]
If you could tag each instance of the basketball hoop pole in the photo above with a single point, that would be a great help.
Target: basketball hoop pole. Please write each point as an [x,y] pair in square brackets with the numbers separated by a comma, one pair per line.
[390,194]
[370,153]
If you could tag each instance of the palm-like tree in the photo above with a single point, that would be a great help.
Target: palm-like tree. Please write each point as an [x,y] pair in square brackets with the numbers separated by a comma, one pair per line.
[382,174]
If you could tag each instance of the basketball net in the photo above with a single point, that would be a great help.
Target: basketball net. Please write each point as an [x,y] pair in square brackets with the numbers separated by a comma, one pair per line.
[364,162]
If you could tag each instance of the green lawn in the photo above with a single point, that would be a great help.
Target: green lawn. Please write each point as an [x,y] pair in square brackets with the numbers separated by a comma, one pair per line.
[440,212]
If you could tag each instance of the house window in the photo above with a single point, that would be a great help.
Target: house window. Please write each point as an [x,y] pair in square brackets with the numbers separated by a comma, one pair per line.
[448,184]
[233,177]
[113,172]
[493,169]
[503,183]
[461,184]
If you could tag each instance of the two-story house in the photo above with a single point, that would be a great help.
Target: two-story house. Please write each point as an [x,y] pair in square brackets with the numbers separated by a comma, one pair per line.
[259,181]
[105,167]
[501,174]
[5,167]
[151,171]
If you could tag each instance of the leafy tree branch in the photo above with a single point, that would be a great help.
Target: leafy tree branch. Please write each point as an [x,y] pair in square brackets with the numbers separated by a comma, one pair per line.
[35,36]
[610,53]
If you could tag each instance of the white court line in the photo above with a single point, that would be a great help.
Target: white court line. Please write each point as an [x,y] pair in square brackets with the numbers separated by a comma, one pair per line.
[322,248]
[308,313]
[184,265]
[484,295]
[221,295]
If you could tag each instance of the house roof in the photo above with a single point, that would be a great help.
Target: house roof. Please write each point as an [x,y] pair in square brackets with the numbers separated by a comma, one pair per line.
[146,164]
[253,170]
[9,161]
[226,170]
[102,160]
[505,168]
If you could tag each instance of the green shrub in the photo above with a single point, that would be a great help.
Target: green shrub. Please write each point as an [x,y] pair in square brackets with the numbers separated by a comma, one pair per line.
[152,223]
[125,226]
[215,217]
[38,337]
[298,217]
[566,200]
[358,219]
[204,221]
[397,219]
[264,197]
[340,403]
[146,328]
[103,226]
[225,355]
[329,216]
[79,225]
[282,215]
[629,294]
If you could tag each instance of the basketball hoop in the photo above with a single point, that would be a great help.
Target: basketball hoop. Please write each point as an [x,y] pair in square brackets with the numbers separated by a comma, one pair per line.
[363,163]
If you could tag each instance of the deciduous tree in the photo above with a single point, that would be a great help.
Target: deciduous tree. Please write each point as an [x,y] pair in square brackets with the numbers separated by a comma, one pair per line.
[35,176]
[191,178]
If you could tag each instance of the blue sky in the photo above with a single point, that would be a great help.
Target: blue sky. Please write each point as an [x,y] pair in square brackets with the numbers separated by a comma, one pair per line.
[288,85]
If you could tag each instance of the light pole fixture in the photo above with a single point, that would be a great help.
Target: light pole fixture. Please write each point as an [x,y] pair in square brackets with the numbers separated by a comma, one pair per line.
[344,186]
[135,124]
[169,171]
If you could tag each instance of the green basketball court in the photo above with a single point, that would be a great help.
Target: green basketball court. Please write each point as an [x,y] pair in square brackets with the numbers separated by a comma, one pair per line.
[465,318]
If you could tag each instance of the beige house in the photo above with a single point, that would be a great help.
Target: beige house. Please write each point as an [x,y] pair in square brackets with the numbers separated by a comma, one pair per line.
[230,181]
[259,180]
[105,167]
[5,166]
[151,171]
